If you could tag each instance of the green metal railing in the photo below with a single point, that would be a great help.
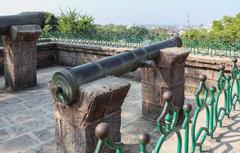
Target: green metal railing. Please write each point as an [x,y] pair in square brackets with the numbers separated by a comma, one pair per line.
[212,48]
[103,39]
[195,46]
[206,98]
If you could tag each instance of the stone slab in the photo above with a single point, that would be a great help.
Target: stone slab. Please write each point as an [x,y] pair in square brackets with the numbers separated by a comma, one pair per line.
[18,144]
[25,32]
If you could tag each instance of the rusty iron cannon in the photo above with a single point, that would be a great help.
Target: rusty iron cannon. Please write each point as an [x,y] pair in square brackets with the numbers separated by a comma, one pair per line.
[21,19]
[65,84]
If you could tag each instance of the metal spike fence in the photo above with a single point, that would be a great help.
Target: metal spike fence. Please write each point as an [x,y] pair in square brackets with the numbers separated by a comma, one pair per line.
[213,47]
[102,39]
[206,98]
[195,46]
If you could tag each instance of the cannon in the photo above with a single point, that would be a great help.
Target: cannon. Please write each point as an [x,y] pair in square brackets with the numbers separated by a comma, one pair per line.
[65,84]
[21,19]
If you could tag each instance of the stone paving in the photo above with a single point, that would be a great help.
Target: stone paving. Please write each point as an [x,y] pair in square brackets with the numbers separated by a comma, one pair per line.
[27,122]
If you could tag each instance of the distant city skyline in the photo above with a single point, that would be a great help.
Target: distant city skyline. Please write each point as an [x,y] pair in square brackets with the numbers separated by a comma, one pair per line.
[139,12]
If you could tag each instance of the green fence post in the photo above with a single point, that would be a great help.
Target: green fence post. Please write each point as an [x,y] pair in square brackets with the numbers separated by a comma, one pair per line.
[228,95]
[144,139]
[200,103]
[170,122]
[187,109]
[212,91]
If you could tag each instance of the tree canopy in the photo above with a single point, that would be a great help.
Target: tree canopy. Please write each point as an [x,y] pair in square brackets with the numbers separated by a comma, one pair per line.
[73,21]
[226,29]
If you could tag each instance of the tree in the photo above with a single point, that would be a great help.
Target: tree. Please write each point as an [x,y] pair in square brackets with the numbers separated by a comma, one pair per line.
[73,21]
[227,30]
[50,23]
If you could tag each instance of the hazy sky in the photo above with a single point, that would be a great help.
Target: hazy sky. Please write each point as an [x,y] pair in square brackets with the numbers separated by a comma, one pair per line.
[163,12]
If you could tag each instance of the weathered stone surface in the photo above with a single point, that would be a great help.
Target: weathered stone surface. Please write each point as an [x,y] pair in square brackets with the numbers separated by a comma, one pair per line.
[99,101]
[132,121]
[167,75]
[5,101]
[18,144]
[3,136]
[25,33]
[33,103]
[47,148]
[207,62]
[20,56]
[30,126]
[3,124]
[46,135]
[35,120]
[29,151]
[197,65]
[26,116]
[6,111]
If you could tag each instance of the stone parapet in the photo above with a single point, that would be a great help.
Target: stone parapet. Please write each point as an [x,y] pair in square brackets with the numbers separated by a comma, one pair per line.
[197,65]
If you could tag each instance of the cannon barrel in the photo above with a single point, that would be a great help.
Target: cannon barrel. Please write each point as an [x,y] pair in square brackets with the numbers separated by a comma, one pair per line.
[21,19]
[65,84]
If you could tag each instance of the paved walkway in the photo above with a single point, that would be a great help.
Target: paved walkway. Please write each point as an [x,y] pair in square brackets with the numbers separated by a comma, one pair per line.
[27,122]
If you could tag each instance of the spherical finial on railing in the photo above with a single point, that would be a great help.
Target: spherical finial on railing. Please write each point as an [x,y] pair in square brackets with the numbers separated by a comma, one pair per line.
[102,130]
[228,77]
[167,96]
[144,138]
[212,89]
[234,60]
[202,77]
[222,67]
[187,107]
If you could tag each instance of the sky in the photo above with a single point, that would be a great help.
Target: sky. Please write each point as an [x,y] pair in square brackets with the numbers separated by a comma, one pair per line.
[139,12]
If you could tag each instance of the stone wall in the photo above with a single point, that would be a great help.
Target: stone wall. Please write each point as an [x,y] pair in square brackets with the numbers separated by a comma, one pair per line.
[72,55]
[1,61]
[49,54]
[196,65]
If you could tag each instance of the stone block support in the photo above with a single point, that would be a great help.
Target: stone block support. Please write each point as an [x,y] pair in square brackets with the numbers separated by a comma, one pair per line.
[168,74]
[99,101]
[20,56]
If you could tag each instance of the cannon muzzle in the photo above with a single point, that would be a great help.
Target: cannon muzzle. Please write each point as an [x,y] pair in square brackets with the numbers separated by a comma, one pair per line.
[65,84]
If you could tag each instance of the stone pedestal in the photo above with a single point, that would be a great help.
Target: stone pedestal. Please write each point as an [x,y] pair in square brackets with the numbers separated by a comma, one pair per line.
[20,56]
[168,74]
[100,101]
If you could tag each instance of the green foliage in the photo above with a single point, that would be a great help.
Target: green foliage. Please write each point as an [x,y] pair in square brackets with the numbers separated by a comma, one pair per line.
[73,21]
[130,34]
[225,30]
[196,34]
[159,33]
[75,25]
[51,23]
